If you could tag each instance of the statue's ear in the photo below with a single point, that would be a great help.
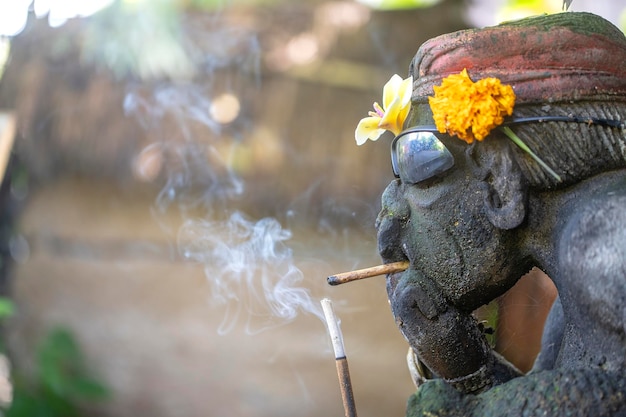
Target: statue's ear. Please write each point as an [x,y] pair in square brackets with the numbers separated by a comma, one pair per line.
[505,189]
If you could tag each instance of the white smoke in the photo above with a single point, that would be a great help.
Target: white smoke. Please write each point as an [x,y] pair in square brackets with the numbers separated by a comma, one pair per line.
[250,270]
[249,267]
[196,175]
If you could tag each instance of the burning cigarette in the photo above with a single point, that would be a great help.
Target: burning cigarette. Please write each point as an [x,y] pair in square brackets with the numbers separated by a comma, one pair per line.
[340,359]
[368,272]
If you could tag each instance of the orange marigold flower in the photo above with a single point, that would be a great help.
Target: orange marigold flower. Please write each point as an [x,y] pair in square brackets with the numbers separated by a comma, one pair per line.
[470,110]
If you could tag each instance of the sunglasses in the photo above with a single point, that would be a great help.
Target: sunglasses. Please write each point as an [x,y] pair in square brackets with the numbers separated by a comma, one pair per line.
[417,154]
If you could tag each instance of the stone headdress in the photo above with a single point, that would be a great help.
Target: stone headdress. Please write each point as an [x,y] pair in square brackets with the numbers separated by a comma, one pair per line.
[558,65]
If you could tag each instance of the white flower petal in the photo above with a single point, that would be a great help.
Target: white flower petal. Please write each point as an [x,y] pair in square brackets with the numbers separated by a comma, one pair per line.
[406,91]
[367,129]
[390,90]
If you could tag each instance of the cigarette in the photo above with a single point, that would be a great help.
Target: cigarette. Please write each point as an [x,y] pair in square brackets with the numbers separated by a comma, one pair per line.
[341,361]
[368,272]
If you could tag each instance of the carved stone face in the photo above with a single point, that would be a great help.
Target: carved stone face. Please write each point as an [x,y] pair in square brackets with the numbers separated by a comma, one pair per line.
[444,227]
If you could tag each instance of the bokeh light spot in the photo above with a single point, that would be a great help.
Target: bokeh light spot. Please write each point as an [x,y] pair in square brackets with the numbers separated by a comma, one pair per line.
[225,108]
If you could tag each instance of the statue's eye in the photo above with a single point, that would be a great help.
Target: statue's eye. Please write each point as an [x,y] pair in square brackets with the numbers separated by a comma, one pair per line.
[417,155]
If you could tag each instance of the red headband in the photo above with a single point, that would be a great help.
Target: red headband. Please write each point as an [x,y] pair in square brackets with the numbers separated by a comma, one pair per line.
[565,56]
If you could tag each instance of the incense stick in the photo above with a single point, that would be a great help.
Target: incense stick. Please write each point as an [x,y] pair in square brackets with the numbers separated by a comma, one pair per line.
[340,359]
[368,272]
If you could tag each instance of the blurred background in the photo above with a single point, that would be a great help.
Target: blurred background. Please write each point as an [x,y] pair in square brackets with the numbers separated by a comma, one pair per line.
[181,178]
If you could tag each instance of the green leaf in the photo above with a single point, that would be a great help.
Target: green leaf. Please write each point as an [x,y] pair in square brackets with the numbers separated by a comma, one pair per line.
[62,384]
[87,388]
[63,371]
[57,357]
[7,308]
[26,404]
[515,139]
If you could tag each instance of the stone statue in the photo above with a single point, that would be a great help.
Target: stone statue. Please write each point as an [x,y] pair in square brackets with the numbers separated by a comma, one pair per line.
[478,216]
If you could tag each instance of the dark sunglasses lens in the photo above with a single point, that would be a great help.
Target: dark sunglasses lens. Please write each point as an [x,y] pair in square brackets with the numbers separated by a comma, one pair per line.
[419,156]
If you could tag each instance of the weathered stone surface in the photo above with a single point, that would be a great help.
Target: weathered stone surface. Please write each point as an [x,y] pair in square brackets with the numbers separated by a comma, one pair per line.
[471,232]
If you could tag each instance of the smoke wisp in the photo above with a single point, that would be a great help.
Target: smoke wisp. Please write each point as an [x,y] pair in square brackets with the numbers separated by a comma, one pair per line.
[249,267]
[250,270]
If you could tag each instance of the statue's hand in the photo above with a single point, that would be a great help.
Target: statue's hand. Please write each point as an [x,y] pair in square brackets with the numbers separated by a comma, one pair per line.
[449,342]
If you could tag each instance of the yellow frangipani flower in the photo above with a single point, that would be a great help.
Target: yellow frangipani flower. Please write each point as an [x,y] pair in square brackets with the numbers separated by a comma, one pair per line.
[391,115]
[470,110]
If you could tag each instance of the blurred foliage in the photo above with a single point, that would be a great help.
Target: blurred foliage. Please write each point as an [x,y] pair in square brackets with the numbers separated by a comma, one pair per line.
[61,383]
[517,9]
[7,308]
[538,5]
[147,39]
[217,4]
[398,4]
[132,38]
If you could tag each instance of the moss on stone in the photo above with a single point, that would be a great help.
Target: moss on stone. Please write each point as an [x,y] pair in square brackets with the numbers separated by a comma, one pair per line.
[584,23]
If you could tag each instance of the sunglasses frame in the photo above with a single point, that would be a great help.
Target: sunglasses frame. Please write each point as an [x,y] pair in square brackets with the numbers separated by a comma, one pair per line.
[613,123]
